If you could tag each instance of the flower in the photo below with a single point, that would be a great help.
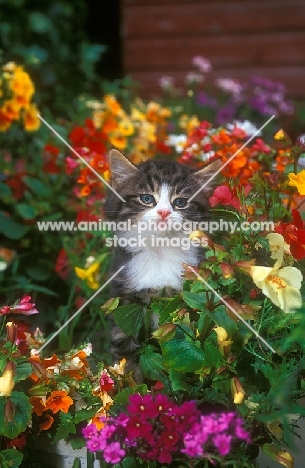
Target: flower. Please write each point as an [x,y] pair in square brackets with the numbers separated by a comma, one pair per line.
[225,196]
[89,274]
[23,306]
[248,127]
[298,181]
[281,286]
[294,234]
[59,400]
[7,382]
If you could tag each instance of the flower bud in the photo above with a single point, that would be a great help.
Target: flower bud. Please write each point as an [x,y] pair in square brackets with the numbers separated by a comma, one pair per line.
[165,332]
[237,390]
[11,330]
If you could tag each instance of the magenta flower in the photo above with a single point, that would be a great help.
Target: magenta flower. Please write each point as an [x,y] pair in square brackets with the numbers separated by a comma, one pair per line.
[222,443]
[154,428]
[23,306]
[106,382]
[114,453]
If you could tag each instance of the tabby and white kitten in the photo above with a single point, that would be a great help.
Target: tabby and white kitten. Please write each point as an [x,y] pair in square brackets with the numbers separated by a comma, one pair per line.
[156,194]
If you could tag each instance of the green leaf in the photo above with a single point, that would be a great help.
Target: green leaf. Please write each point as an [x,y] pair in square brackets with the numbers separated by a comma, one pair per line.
[129,318]
[78,443]
[11,228]
[182,355]
[38,271]
[121,400]
[22,371]
[5,190]
[84,414]
[10,458]
[195,300]
[172,306]
[66,427]
[221,319]
[151,364]
[76,463]
[26,211]
[213,357]
[179,381]
[37,186]
[22,416]
[39,22]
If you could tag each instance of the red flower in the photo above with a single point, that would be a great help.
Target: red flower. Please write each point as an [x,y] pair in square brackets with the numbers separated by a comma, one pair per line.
[106,382]
[223,195]
[89,137]
[50,154]
[294,235]
[62,266]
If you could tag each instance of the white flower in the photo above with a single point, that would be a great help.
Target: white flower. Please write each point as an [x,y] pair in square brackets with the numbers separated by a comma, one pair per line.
[193,77]
[248,127]
[166,81]
[229,85]
[203,64]
[178,141]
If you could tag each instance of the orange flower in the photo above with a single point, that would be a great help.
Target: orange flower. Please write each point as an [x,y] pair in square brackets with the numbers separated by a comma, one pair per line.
[38,405]
[46,422]
[59,400]
[112,104]
[43,368]
[5,120]
[76,367]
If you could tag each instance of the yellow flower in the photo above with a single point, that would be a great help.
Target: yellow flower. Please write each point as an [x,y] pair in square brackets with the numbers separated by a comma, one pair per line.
[237,390]
[89,275]
[126,127]
[298,181]
[277,247]
[118,140]
[223,340]
[22,86]
[281,286]
[30,119]
[6,383]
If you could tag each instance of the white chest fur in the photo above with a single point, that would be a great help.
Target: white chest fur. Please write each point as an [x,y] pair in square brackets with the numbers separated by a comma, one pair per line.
[159,267]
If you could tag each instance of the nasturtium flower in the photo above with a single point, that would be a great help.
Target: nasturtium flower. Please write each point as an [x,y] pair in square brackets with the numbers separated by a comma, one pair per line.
[298,181]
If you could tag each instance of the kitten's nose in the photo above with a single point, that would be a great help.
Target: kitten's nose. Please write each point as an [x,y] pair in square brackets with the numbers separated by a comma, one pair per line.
[163,213]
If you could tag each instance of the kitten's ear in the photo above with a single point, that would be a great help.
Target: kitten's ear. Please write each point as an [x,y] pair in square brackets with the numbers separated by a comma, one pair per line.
[121,168]
[203,175]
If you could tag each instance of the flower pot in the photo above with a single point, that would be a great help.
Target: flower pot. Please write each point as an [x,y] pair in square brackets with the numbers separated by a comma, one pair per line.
[60,455]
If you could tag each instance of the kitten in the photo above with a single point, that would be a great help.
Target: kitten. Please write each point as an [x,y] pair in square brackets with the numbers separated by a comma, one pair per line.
[153,246]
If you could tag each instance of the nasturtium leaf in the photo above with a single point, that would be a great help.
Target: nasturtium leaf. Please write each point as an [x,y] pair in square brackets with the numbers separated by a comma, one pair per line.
[129,318]
[22,416]
[182,355]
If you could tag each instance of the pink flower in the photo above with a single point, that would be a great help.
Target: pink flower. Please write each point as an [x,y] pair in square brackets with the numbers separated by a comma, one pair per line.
[23,306]
[261,147]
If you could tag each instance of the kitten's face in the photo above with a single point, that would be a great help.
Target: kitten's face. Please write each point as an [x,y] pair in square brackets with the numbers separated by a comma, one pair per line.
[157,191]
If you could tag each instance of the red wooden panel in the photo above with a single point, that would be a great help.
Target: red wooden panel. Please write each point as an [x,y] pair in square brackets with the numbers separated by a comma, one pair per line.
[151,20]
[230,51]
[292,77]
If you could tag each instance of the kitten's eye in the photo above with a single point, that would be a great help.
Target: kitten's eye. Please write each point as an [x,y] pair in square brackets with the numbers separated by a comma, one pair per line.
[147,199]
[180,202]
